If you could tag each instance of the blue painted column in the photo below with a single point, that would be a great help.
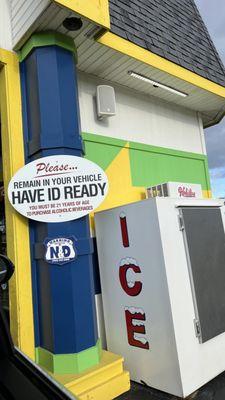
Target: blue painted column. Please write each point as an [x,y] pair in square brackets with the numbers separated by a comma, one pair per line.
[63,296]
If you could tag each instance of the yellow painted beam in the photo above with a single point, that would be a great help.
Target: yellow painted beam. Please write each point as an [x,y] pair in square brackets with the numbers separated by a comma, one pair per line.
[130,49]
[95,10]
[17,230]
[207,194]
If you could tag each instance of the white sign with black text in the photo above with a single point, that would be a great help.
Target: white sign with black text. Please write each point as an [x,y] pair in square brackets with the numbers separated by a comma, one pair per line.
[58,188]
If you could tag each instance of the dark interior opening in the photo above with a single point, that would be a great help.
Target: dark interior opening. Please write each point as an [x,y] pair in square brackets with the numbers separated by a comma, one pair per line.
[4,289]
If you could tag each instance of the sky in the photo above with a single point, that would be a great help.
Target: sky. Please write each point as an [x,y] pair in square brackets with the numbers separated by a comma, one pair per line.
[213,14]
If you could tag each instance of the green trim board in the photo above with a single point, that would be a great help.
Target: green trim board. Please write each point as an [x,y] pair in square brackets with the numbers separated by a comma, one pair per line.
[149,165]
[47,38]
[92,137]
[69,363]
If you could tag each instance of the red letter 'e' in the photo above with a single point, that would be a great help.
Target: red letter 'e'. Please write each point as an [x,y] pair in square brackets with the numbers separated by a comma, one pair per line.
[132,329]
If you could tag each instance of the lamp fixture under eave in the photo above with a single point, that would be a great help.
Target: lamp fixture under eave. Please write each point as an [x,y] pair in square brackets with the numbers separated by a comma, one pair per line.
[72,23]
[156,84]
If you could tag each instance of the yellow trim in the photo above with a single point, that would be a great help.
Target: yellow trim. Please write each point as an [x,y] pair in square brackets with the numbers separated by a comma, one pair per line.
[125,47]
[207,194]
[95,10]
[17,230]
[119,175]
[106,381]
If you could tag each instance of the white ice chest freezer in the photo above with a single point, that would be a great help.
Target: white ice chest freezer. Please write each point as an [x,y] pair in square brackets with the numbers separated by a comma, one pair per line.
[162,268]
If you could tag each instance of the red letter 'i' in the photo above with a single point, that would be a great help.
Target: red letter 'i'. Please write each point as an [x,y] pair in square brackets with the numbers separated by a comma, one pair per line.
[124,231]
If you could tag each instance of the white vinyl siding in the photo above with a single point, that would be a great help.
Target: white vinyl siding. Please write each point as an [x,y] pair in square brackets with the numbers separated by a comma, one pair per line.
[141,118]
[24,13]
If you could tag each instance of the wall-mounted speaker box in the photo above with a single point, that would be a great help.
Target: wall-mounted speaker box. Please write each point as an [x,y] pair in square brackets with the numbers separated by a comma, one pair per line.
[106,101]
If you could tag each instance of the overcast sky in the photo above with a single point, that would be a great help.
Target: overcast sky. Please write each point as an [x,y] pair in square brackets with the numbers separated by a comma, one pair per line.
[213,14]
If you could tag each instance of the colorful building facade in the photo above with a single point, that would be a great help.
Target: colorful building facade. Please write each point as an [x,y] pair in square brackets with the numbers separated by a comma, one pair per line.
[53,55]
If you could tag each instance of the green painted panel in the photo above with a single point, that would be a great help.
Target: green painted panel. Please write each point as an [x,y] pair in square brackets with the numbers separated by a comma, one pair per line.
[89,357]
[69,363]
[101,150]
[150,168]
[150,165]
[165,150]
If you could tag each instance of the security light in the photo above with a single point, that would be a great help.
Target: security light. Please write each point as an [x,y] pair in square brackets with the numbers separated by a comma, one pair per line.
[73,23]
[156,84]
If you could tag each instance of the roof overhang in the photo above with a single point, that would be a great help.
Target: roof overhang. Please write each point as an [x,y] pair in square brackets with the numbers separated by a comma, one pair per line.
[95,10]
[125,47]
[110,57]
[204,96]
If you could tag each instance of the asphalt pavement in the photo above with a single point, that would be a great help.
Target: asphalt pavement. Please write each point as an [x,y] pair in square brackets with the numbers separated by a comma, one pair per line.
[214,390]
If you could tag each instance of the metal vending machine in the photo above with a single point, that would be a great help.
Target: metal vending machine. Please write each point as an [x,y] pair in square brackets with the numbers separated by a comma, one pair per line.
[162,268]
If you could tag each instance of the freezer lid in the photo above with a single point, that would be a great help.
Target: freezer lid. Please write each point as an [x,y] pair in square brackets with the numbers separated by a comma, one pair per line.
[205,246]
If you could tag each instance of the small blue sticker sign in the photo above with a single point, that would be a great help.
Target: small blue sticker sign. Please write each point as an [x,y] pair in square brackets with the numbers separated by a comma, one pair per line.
[60,250]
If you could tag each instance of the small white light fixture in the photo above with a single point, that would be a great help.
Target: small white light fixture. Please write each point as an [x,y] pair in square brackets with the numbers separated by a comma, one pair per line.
[156,84]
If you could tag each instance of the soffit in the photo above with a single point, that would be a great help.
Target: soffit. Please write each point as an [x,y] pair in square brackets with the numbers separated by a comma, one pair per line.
[106,63]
